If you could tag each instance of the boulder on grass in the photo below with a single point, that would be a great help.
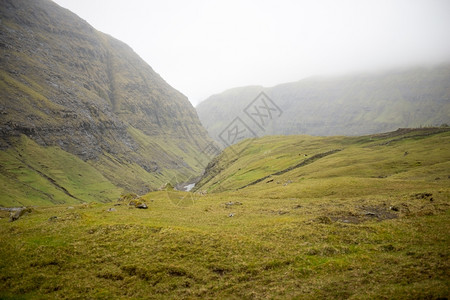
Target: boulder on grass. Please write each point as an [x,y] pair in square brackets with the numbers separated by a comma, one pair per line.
[142,206]
[138,203]
[19,213]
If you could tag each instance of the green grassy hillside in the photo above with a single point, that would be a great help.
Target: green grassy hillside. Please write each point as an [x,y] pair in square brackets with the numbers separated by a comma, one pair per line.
[376,159]
[370,221]
[65,85]
[34,175]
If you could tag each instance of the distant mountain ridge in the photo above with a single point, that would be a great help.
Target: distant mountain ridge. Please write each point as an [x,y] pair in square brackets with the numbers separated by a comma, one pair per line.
[66,85]
[357,104]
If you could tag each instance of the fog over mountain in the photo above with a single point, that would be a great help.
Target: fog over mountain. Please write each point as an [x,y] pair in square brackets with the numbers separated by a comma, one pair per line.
[205,47]
[114,186]
[356,104]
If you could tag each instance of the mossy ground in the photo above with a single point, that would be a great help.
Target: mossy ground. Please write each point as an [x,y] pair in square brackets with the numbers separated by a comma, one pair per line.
[328,230]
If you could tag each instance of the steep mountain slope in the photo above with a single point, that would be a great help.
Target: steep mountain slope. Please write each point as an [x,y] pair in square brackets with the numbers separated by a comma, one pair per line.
[346,105]
[66,85]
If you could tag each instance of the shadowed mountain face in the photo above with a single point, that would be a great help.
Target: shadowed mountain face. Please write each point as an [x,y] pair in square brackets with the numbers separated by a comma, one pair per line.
[67,85]
[346,105]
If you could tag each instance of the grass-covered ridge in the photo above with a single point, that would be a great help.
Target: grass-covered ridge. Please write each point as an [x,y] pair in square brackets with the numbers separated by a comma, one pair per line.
[367,222]
[382,158]
[65,85]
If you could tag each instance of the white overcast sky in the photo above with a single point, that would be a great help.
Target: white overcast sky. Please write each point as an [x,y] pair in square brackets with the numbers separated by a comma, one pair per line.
[204,47]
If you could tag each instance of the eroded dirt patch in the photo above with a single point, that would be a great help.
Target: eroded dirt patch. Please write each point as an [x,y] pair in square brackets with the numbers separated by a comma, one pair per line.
[363,214]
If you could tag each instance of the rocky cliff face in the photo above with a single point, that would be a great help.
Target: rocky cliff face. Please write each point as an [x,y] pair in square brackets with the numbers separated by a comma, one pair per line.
[65,84]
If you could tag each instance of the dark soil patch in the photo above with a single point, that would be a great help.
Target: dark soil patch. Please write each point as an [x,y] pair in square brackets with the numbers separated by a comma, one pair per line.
[364,214]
